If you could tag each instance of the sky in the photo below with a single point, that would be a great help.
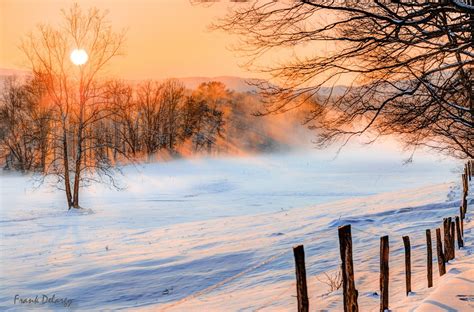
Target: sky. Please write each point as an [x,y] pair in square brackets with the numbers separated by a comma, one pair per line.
[165,38]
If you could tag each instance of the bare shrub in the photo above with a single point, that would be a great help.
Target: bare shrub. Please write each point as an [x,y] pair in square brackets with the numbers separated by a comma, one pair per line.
[333,280]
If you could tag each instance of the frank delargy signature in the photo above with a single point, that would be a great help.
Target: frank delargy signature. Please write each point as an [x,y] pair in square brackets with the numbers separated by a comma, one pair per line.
[42,299]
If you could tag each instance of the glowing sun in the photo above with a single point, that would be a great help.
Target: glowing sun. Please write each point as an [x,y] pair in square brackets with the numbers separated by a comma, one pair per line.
[79,56]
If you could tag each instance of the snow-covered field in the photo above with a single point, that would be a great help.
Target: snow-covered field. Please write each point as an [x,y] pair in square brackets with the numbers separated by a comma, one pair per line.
[217,234]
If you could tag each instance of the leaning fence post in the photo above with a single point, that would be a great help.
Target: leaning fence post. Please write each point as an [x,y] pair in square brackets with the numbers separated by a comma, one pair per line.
[445,238]
[458,232]
[347,268]
[439,249]
[464,193]
[452,234]
[429,259]
[406,243]
[301,288]
[384,273]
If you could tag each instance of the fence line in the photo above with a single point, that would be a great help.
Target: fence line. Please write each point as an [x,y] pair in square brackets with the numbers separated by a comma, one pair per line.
[452,230]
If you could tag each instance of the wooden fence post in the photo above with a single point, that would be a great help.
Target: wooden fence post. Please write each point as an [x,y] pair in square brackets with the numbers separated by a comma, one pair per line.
[462,222]
[471,169]
[439,249]
[464,205]
[465,191]
[429,259]
[348,281]
[464,182]
[301,288]
[447,238]
[467,179]
[464,179]
[459,234]
[406,243]
[452,234]
[384,273]
[469,163]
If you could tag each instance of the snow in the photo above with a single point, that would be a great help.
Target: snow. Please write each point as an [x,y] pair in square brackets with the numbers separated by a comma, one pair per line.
[211,234]
[455,293]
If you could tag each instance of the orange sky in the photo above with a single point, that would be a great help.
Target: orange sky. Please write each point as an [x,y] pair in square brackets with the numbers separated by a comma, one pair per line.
[165,38]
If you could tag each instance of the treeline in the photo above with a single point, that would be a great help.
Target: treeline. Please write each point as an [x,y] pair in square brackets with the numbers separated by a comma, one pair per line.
[129,122]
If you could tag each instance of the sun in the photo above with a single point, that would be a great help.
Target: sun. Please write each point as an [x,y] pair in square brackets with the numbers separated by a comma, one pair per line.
[79,56]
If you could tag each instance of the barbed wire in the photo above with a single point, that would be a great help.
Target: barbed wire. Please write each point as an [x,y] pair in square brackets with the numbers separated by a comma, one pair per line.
[209,289]
[267,303]
[225,281]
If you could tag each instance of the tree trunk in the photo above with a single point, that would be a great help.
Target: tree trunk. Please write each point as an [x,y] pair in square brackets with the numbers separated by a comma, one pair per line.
[79,143]
[75,203]
[67,185]
[77,173]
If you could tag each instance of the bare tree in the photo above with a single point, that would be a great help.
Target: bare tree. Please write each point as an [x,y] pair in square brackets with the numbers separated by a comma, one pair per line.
[412,63]
[160,110]
[151,115]
[215,93]
[172,97]
[125,118]
[40,115]
[16,120]
[208,107]
[24,125]
[74,93]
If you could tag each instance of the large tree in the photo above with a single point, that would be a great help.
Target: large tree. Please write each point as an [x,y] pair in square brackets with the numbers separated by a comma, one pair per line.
[411,64]
[75,94]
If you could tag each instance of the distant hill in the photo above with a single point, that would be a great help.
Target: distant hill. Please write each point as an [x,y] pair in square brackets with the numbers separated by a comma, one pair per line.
[233,83]
[239,84]
[4,72]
